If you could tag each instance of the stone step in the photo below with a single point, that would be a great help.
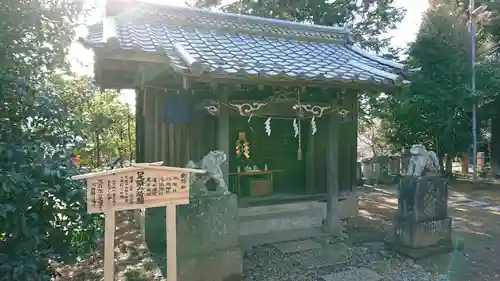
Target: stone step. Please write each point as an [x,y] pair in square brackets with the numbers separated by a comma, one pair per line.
[248,241]
[280,208]
[281,221]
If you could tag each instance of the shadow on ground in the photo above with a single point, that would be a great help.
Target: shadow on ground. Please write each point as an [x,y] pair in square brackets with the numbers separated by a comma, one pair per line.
[132,258]
[477,227]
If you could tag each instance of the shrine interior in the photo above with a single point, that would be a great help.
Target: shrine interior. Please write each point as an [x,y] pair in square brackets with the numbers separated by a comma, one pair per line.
[277,153]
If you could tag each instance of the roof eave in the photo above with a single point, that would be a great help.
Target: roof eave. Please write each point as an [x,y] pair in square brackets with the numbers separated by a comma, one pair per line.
[403,68]
[288,81]
[207,75]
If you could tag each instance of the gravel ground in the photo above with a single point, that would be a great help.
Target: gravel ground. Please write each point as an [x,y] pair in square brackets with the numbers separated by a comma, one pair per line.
[262,263]
[266,263]
[477,227]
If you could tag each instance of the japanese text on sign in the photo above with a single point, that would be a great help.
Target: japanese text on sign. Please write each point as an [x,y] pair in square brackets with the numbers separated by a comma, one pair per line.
[136,189]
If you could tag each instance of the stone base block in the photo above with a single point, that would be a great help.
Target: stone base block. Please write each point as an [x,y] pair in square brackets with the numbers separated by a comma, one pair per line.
[443,248]
[423,234]
[422,198]
[207,239]
[421,239]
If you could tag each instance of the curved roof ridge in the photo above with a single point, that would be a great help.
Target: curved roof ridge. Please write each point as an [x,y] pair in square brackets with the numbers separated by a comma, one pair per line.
[252,19]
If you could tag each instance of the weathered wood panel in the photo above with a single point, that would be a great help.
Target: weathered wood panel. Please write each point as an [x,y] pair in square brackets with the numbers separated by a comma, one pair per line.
[318,177]
[348,145]
[175,144]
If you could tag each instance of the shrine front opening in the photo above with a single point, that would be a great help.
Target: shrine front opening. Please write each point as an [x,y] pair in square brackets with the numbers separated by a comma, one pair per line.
[277,148]
[265,164]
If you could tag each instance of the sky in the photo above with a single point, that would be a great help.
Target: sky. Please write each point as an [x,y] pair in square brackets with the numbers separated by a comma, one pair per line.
[401,36]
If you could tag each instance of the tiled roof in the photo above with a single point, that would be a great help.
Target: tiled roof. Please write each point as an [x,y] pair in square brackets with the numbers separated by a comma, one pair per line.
[220,44]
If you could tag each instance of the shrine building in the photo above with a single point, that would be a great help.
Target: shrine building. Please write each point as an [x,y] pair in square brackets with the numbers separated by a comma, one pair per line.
[279,98]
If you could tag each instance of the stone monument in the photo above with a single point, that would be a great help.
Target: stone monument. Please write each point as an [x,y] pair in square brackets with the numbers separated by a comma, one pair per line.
[422,226]
[207,228]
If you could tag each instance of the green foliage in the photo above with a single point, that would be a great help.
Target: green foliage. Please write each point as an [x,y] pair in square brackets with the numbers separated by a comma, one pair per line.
[488,82]
[105,123]
[111,131]
[42,212]
[487,20]
[435,110]
[370,19]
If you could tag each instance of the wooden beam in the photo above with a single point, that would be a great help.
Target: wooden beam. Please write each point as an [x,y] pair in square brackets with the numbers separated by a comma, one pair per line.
[281,108]
[138,56]
[118,65]
[333,224]
[269,108]
[270,81]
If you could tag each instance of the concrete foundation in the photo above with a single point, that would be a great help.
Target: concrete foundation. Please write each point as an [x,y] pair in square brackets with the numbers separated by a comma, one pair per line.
[275,223]
[207,239]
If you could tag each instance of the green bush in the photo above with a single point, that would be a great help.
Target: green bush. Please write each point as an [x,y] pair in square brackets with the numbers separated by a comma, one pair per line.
[42,212]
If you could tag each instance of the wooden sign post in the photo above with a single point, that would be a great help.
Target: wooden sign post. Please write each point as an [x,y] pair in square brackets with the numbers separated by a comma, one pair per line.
[144,185]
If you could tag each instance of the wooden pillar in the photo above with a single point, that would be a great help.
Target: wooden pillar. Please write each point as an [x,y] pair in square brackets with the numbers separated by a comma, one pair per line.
[310,167]
[140,214]
[223,137]
[354,143]
[139,125]
[333,224]
[139,117]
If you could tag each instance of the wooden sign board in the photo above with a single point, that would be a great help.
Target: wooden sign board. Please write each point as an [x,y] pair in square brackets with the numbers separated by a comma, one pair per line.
[141,186]
[137,187]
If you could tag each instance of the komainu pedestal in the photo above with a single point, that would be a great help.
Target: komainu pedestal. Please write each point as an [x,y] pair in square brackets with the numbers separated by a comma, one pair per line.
[422,226]
[207,228]
[207,239]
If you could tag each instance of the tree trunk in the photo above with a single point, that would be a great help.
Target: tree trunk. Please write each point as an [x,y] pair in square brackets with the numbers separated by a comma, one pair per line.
[449,165]
[495,147]
[464,163]
[121,149]
[129,135]
[441,158]
[97,150]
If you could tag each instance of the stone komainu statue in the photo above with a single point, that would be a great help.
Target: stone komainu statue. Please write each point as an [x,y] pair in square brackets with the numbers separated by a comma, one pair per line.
[422,161]
[211,164]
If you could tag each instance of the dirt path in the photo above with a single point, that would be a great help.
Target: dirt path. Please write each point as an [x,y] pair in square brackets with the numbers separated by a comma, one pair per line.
[477,227]
[132,259]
